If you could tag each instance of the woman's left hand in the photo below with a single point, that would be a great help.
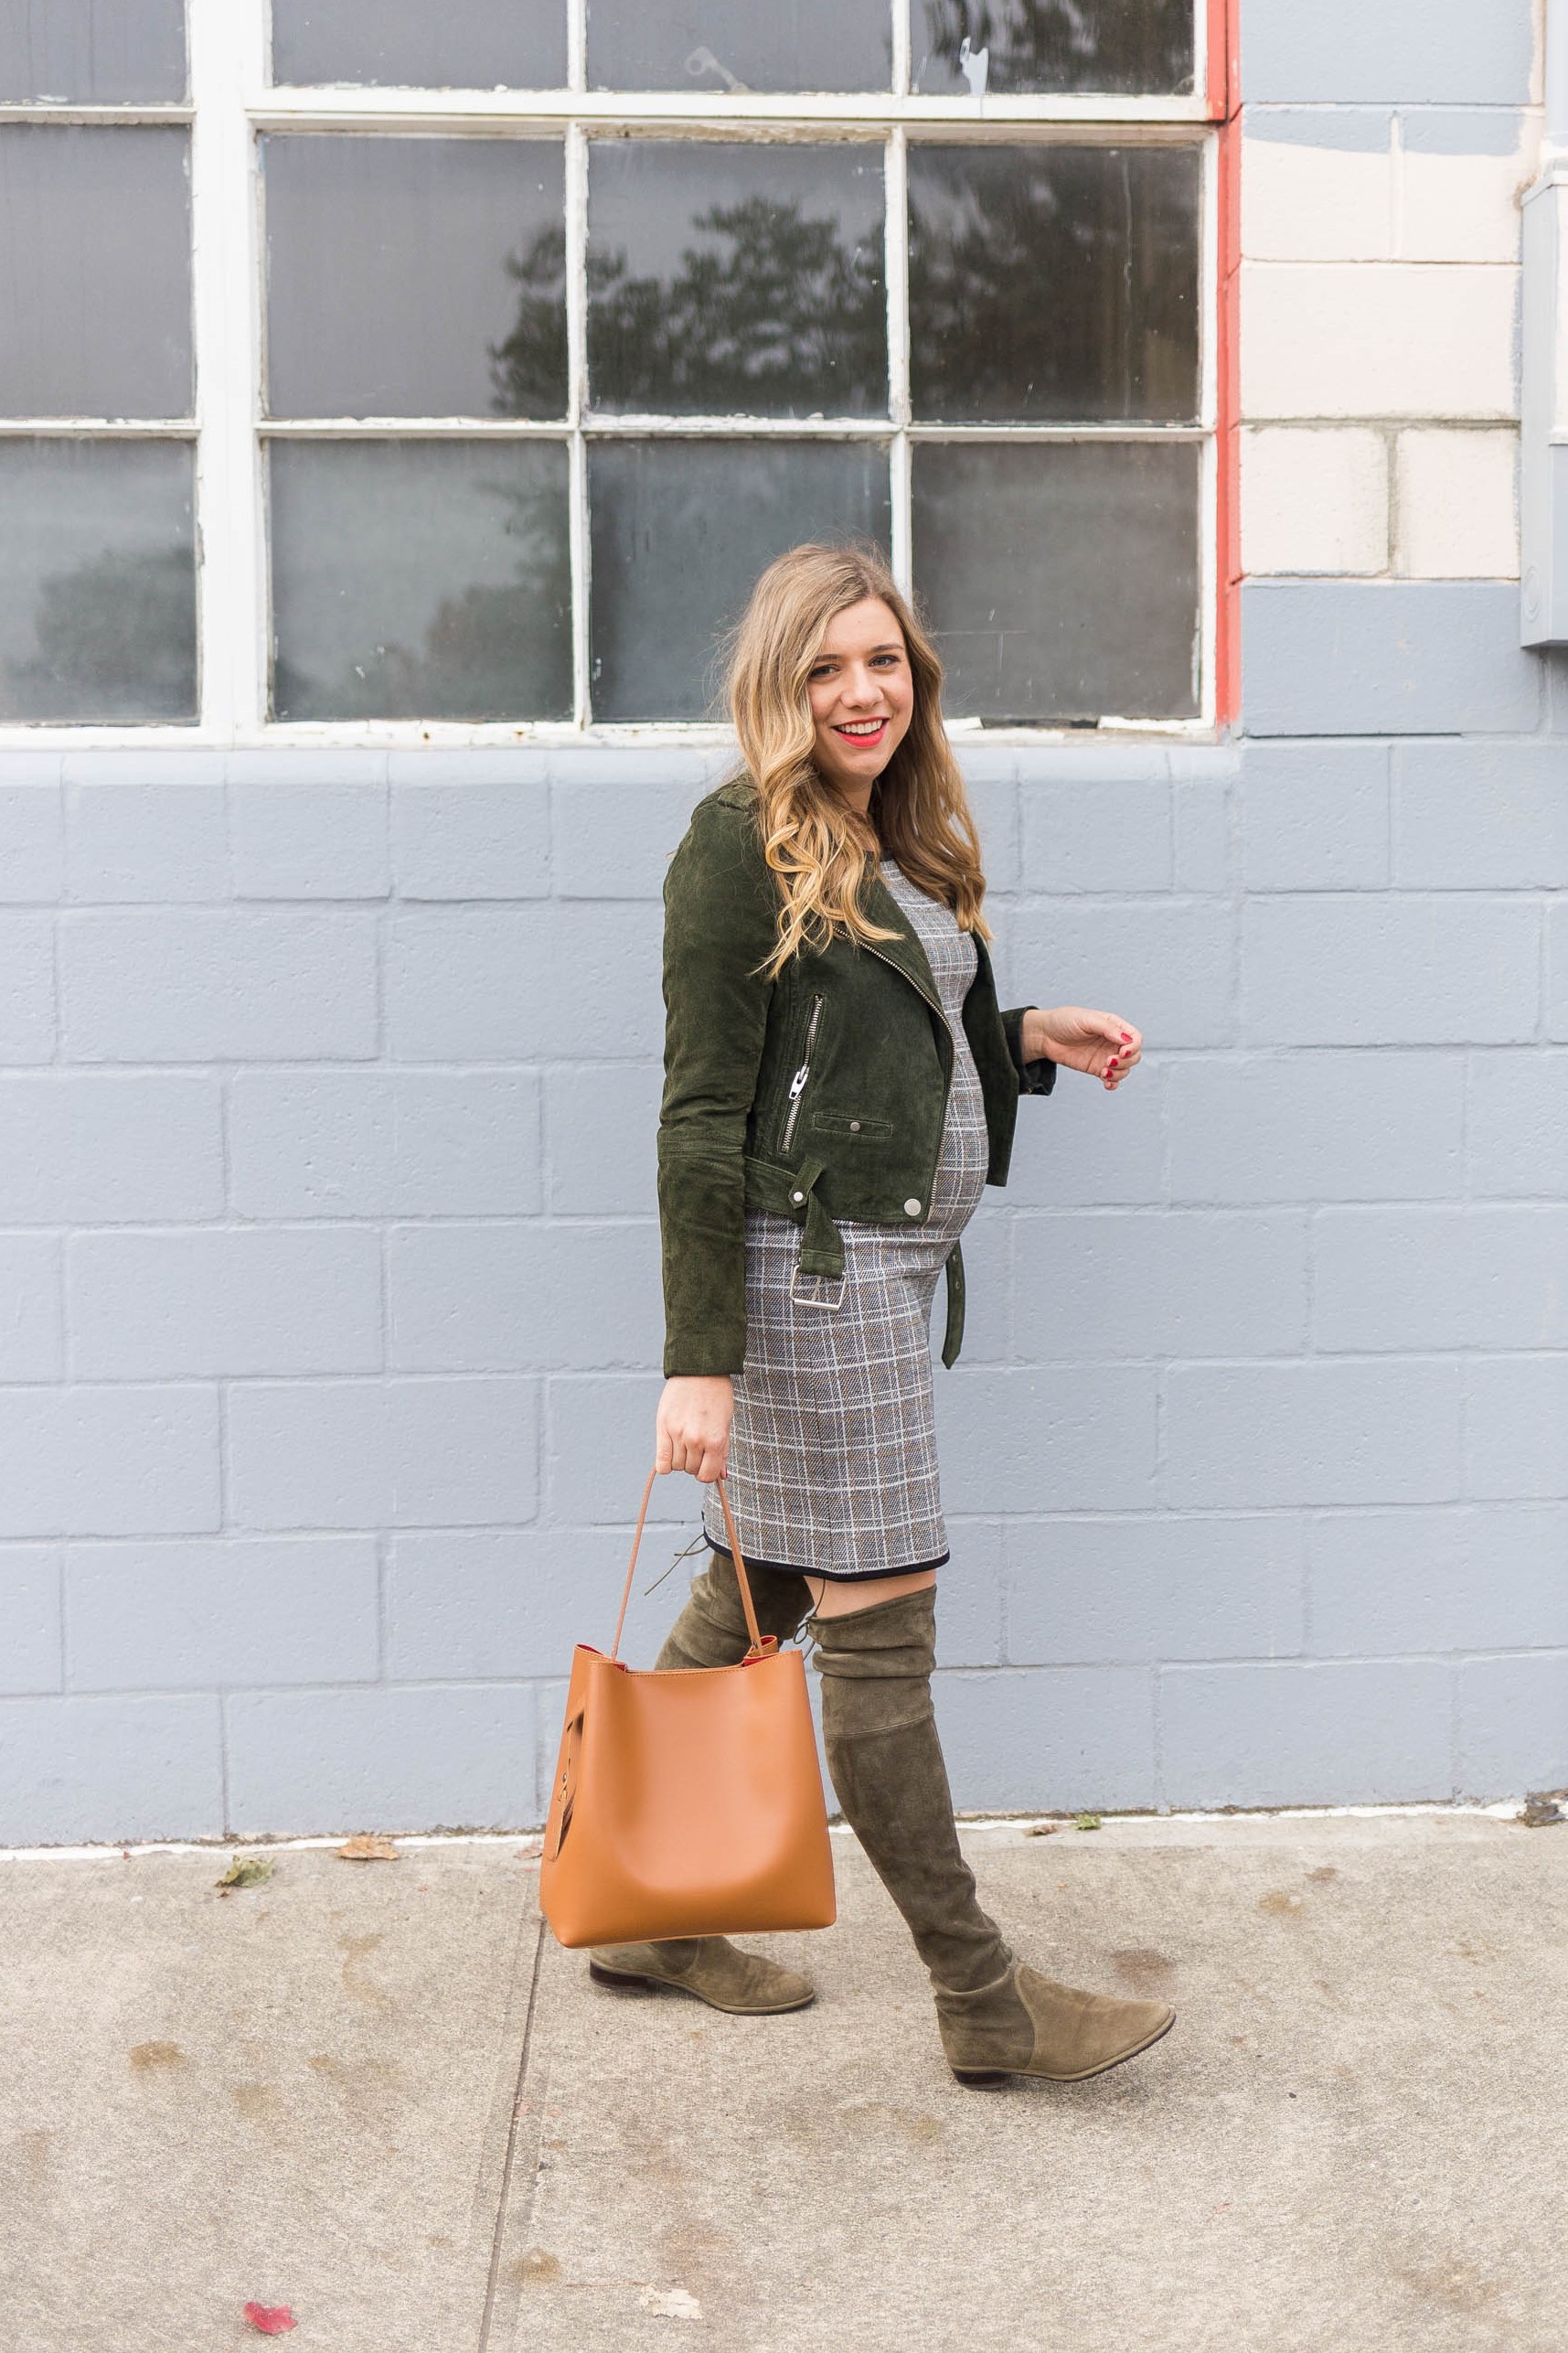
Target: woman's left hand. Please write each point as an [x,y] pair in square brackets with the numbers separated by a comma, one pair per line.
[1102,1044]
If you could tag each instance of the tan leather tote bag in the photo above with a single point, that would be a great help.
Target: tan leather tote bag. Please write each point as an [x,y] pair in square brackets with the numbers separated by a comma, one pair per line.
[686,1802]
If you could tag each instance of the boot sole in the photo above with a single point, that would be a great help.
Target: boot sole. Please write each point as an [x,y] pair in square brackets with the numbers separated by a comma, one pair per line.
[986,2079]
[617,1983]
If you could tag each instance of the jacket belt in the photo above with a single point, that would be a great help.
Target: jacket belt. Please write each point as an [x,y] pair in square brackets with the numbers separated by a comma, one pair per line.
[953,1337]
[822,1245]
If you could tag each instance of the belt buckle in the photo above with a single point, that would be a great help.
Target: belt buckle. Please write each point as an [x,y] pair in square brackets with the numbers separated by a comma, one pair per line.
[833,1282]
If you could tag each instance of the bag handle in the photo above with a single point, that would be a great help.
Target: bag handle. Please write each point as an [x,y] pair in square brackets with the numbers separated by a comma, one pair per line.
[760,1644]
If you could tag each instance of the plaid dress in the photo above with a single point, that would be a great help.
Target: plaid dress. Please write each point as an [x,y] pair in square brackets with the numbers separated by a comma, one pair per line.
[833,1453]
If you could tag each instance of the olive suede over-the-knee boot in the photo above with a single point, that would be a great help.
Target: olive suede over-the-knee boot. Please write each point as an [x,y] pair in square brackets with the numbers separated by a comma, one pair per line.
[996,2015]
[711,1631]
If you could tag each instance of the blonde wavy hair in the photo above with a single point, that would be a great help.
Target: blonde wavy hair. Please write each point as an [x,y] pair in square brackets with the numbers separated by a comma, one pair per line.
[820,851]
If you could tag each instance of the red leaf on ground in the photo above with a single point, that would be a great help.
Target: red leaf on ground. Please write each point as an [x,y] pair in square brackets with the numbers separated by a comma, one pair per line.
[272,2319]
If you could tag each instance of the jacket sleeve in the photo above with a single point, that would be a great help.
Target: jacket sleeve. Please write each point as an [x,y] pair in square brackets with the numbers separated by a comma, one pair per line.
[1034,1077]
[720,924]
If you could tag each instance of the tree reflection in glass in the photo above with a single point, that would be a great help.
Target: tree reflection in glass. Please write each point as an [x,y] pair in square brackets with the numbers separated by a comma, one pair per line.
[1053,282]
[527,369]
[1014,47]
[680,530]
[116,640]
[97,581]
[725,279]
[420,579]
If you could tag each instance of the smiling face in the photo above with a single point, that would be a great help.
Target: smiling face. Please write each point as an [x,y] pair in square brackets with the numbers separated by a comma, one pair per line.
[862,697]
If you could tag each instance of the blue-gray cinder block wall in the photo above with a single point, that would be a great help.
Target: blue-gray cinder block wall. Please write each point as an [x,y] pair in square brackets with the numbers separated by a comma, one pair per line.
[328,1269]
[331,1278]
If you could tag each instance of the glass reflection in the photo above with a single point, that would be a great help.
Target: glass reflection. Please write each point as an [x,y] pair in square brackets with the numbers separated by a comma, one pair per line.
[393,274]
[420,580]
[736,279]
[1048,283]
[1123,48]
[714,44]
[680,530]
[97,581]
[1061,580]
[92,52]
[95,269]
[411,44]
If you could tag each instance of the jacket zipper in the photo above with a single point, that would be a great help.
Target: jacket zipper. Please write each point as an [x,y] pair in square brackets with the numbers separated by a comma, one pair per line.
[797,1083]
[882,955]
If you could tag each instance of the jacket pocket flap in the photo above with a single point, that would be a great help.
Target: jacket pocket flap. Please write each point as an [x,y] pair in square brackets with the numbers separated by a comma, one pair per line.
[845,1123]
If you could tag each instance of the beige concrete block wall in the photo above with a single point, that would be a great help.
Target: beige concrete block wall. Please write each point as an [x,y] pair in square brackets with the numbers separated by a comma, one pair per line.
[1378,339]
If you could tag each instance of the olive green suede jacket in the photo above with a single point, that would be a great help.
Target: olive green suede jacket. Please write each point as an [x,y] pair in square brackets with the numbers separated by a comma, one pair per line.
[819,1094]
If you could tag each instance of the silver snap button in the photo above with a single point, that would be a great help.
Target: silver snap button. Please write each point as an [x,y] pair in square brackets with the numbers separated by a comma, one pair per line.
[854,1127]
[912,1209]
[797,1196]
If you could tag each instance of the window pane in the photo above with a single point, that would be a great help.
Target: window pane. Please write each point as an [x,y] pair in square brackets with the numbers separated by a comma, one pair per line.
[1011,47]
[1053,282]
[420,580]
[713,44]
[728,278]
[1061,579]
[92,52]
[97,581]
[418,45]
[415,277]
[95,264]
[681,529]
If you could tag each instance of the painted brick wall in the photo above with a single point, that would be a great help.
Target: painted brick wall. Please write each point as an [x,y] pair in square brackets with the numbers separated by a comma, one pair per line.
[328,1275]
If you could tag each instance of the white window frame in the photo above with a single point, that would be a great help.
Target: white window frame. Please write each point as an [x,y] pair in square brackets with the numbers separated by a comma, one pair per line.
[231,105]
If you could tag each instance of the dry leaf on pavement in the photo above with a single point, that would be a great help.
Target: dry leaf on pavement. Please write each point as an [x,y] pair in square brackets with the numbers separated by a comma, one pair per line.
[367,1847]
[245,1871]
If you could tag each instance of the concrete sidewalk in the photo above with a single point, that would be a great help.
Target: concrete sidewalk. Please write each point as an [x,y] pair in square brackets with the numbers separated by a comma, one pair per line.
[380,2095]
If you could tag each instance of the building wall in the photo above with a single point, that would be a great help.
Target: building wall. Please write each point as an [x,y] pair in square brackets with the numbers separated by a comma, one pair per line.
[329,1273]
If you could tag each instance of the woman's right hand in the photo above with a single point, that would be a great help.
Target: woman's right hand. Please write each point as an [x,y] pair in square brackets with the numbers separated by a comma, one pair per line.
[692,1427]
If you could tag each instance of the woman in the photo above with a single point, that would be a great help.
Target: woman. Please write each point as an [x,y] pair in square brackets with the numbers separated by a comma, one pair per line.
[839,1086]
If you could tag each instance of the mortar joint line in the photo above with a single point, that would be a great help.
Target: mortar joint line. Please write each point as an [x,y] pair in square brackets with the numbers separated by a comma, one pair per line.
[225,1809]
